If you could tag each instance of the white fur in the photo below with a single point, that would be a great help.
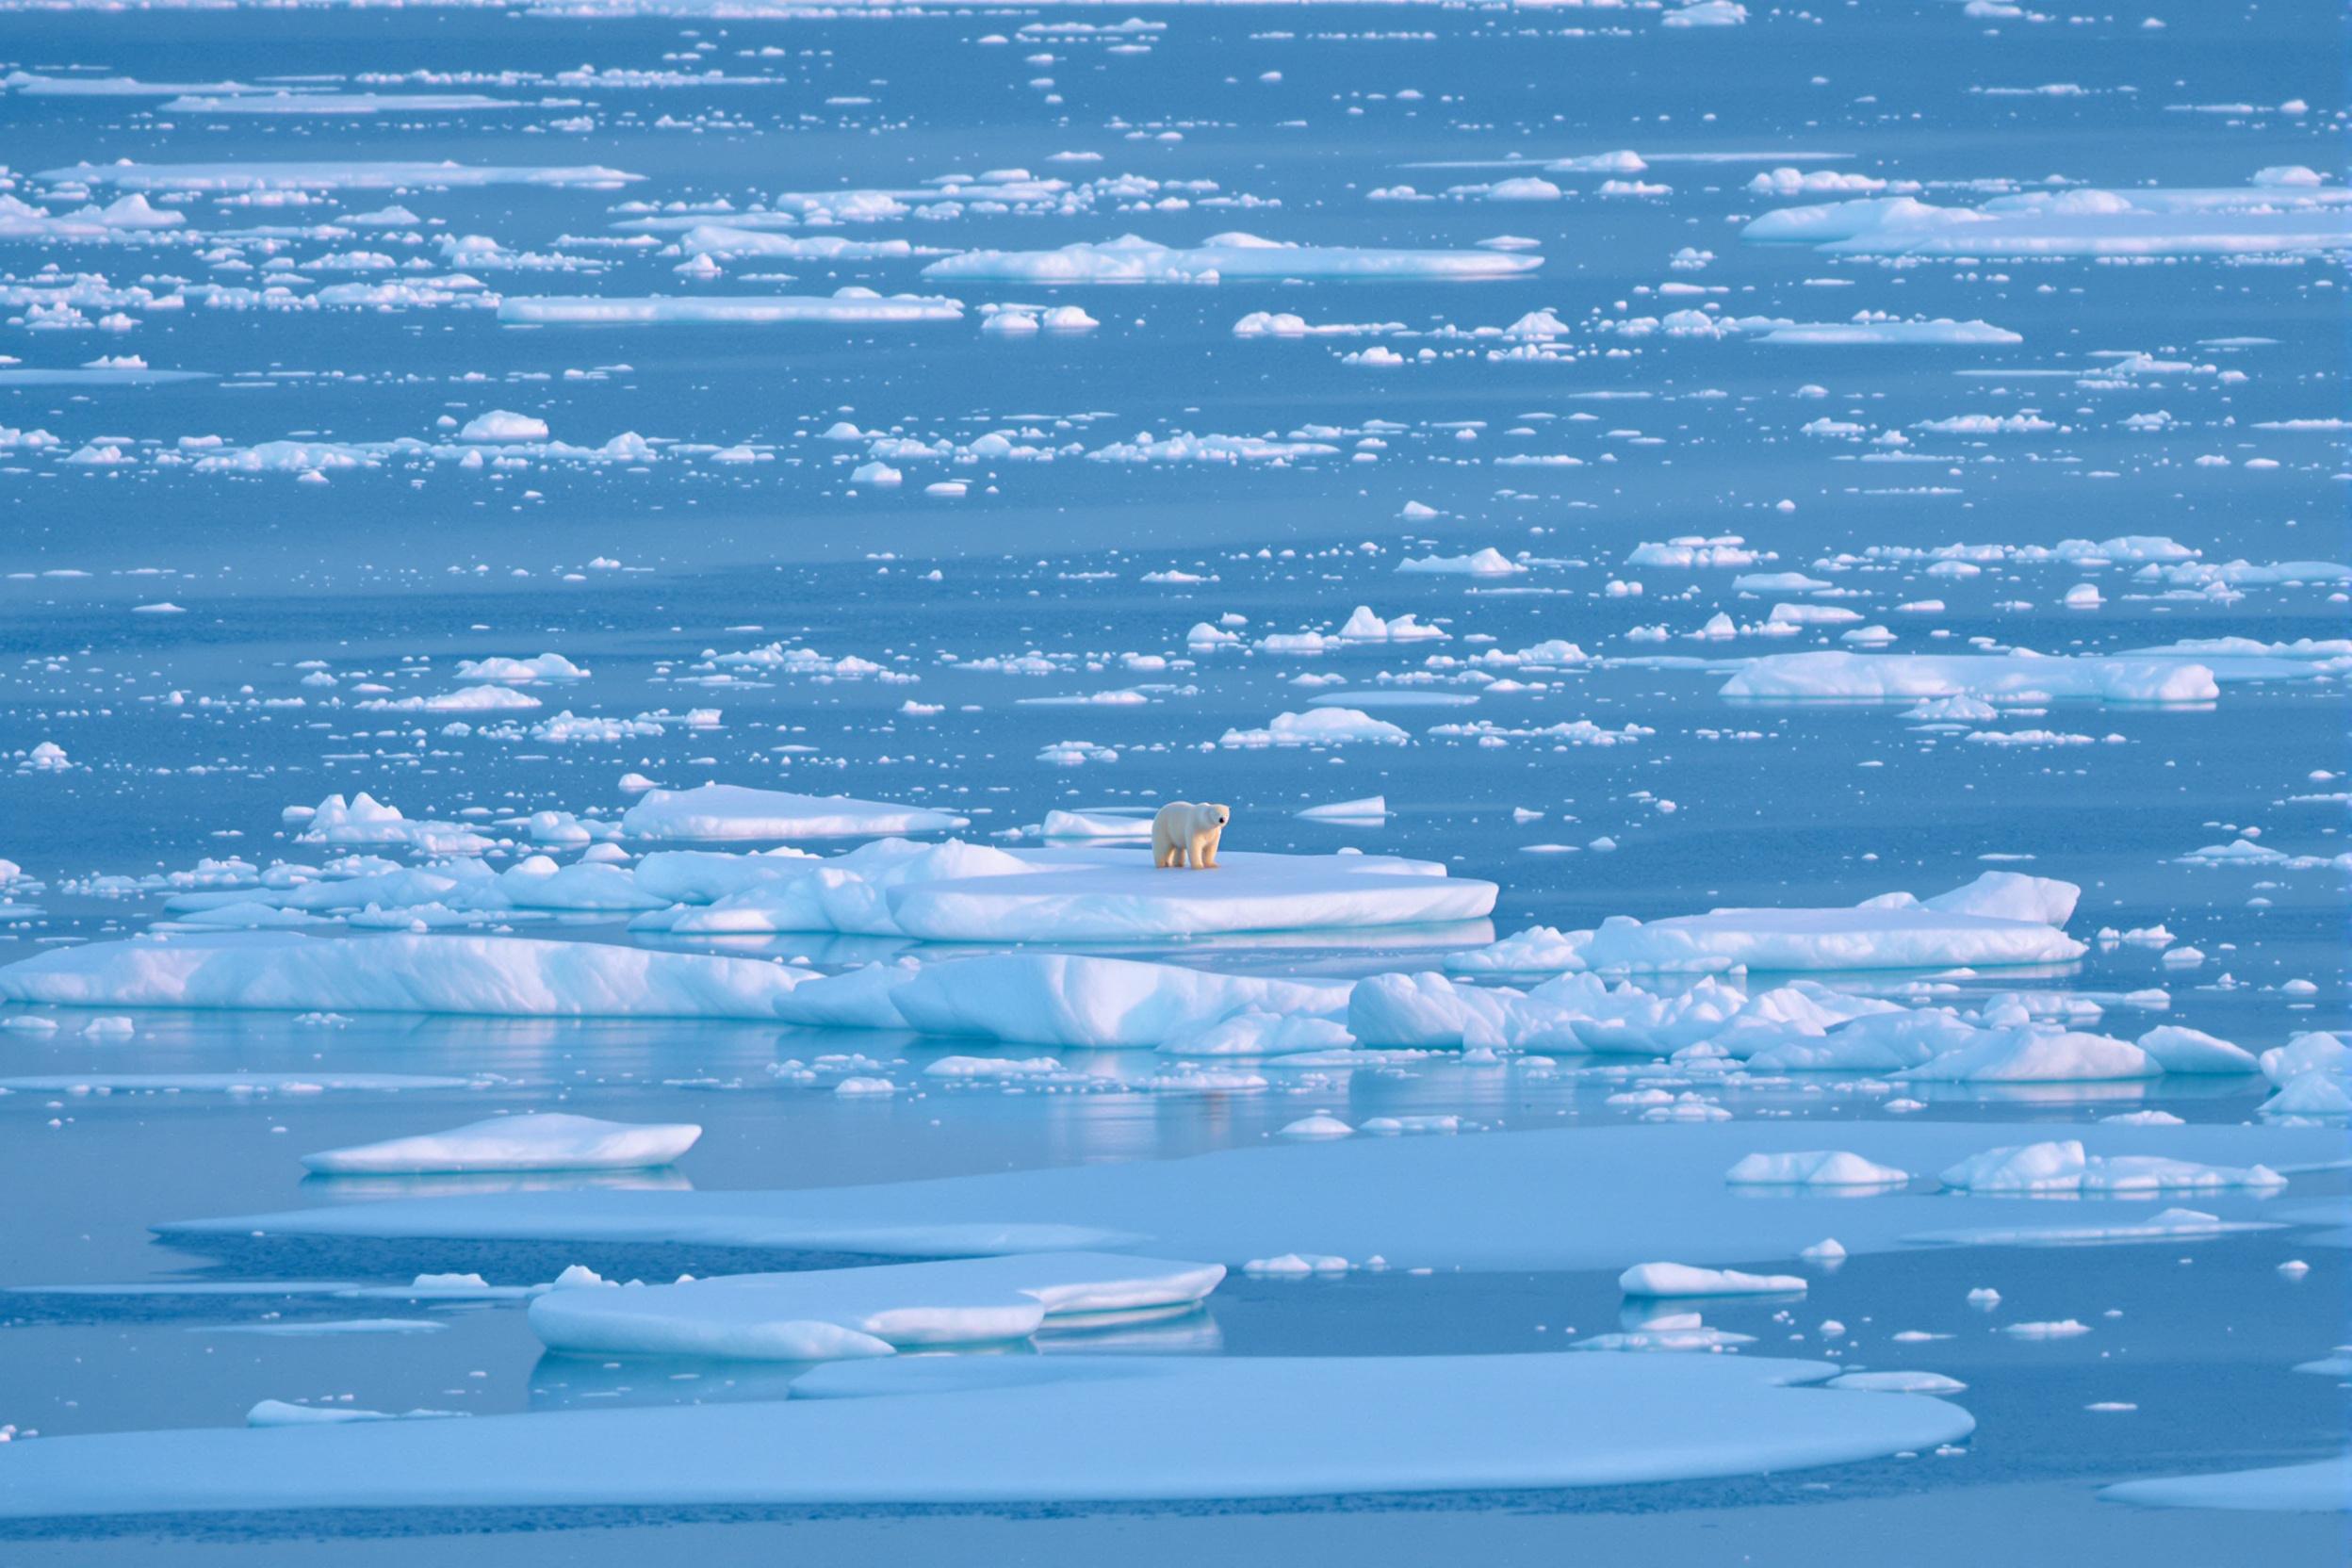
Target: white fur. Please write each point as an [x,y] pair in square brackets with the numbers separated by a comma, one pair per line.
[1186,835]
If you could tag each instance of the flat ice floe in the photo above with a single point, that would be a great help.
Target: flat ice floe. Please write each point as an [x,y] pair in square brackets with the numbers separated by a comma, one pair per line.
[738,812]
[825,1315]
[1413,1202]
[1823,676]
[549,1141]
[501,977]
[855,306]
[2255,219]
[2323,1486]
[356,174]
[1134,259]
[2001,918]
[964,892]
[1002,1429]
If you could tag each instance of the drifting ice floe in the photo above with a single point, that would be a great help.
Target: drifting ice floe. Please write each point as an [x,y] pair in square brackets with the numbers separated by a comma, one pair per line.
[1899,678]
[2323,1486]
[826,1314]
[509,976]
[847,306]
[2001,918]
[736,811]
[957,891]
[2063,1168]
[1679,1279]
[548,1141]
[2254,220]
[353,175]
[1135,259]
[1056,1428]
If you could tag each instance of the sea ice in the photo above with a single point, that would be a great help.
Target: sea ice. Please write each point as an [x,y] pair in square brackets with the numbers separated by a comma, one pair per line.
[549,1141]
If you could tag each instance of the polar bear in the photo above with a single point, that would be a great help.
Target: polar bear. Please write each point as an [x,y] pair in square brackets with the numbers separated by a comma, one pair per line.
[1186,835]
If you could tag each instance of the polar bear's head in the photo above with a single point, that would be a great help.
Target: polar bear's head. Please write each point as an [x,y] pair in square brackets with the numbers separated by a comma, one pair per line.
[1218,815]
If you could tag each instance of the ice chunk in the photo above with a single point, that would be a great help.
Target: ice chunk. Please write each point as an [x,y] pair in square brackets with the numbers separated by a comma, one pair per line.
[825,1314]
[1677,1279]
[737,811]
[1132,259]
[2178,1050]
[550,1140]
[1068,999]
[2062,1166]
[1905,677]
[1878,934]
[1835,1168]
[1898,1382]
[2032,1054]
[2011,895]
[506,976]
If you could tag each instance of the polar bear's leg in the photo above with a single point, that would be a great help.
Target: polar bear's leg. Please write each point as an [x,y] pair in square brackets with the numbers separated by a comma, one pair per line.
[1203,850]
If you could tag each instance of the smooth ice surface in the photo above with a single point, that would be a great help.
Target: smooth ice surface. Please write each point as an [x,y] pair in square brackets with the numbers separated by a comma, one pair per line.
[2324,1486]
[1414,1201]
[1075,1429]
